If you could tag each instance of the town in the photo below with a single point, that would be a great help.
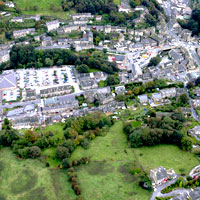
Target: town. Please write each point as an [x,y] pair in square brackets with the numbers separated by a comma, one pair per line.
[85,64]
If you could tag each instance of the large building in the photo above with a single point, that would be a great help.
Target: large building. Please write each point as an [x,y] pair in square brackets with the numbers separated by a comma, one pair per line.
[8,80]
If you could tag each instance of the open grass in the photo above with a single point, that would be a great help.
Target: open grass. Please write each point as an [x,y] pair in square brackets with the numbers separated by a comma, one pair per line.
[106,176]
[168,156]
[43,8]
[117,2]
[30,179]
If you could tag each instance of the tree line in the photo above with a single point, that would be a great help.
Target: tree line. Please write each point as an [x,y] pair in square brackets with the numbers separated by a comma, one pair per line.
[77,132]
[28,57]
[159,130]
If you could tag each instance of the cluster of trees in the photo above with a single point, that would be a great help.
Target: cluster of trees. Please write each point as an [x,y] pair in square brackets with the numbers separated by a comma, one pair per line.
[138,88]
[155,61]
[165,130]
[94,7]
[154,9]
[193,23]
[28,57]
[77,131]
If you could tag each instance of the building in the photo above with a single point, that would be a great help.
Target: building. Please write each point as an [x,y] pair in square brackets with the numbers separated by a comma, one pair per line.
[23,33]
[143,99]
[120,90]
[52,25]
[194,131]
[159,175]
[157,98]
[4,56]
[8,80]
[81,15]
[70,28]
[47,41]
[17,19]
[169,92]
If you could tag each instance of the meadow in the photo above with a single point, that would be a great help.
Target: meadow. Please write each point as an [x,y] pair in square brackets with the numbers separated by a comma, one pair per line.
[31,179]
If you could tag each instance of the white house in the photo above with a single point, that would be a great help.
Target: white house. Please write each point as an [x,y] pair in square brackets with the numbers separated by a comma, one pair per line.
[169,92]
[4,56]
[52,25]
[24,32]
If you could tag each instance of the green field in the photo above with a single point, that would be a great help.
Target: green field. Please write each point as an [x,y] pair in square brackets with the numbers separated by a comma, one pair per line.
[106,174]
[31,180]
[118,2]
[44,7]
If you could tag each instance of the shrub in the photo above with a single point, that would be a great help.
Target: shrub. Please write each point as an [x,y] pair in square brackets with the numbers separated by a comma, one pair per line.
[65,163]
[34,152]
[62,152]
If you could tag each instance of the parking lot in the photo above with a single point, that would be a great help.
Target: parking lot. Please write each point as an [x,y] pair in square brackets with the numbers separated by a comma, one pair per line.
[48,77]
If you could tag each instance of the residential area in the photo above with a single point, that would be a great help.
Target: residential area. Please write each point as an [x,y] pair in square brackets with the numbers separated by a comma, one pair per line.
[135,62]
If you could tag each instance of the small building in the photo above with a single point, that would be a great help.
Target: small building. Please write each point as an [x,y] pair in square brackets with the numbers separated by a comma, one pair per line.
[23,33]
[4,56]
[120,90]
[17,19]
[52,25]
[157,98]
[143,99]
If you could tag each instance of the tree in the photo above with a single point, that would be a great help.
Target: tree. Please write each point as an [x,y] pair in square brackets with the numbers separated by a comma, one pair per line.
[112,80]
[34,152]
[65,163]
[83,68]
[136,138]
[186,143]
[155,61]
[183,99]
[62,152]
[48,62]
[70,145]
[2,5]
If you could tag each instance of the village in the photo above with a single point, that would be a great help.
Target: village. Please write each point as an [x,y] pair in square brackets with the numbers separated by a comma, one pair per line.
[32,98]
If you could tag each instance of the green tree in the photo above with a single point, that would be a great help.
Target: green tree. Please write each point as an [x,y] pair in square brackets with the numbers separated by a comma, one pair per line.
[112,80]
[62,152]
[83,68]
[48,62]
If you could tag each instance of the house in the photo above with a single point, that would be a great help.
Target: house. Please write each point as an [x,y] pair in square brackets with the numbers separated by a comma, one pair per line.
[181,68]
[169,92]
[29,95]
[23,33]
[157,98]
[9,4]
[197,91]
[143,99]
[175,56]
[196,103]
[52,25]
[98,18]
[180,91]
[120,90]
[108,28]
[4,56]
[8,80]
[194,131]
[47,41]
[17,19]
[159,175]
[70,28]
[81,15]
[88,84]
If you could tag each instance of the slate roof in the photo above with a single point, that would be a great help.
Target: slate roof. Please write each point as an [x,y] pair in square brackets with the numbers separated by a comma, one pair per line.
[8,80]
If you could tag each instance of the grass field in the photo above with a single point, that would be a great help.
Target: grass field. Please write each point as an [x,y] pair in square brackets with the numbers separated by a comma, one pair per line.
[106,174]
[43,8]
[118,2]
[31,180]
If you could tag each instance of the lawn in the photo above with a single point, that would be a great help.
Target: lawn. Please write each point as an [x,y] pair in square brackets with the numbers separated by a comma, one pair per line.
[168,156]
[117,2]
[106,175]
[42,8]
[30,179]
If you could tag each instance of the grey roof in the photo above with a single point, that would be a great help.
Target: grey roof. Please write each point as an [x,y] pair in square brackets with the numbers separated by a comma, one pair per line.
[8,80]
[161,173]
[29,107]
[195,194]
[15,112]
[175,55]
[119,58]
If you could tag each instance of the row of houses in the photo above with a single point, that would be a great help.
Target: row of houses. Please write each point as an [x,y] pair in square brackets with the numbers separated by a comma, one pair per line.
[159,96]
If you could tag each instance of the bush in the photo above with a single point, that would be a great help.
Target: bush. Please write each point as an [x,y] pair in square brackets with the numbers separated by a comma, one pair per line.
[85,143]
[62,152]
[34,152]
[65,163]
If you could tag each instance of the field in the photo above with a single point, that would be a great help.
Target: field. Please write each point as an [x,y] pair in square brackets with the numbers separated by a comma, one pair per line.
[118,2]
[42,7]
[107,175]
[30,179]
